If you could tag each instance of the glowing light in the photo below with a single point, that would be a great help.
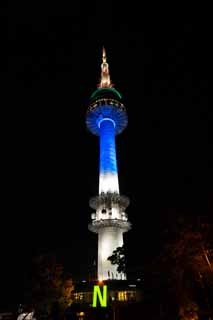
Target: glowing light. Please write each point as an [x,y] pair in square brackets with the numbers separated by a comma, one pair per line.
[102,298]
[106,119]
[100,90]
[122,296]
[105,77]
[81,315]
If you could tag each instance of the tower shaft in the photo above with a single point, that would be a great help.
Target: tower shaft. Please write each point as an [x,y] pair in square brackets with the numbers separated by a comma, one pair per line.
[108,175]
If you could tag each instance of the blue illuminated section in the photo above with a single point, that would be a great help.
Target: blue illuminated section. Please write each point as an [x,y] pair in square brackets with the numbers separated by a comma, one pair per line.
[106,111]
[108,164]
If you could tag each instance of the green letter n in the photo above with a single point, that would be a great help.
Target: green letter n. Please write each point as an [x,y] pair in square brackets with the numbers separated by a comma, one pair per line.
[102,299]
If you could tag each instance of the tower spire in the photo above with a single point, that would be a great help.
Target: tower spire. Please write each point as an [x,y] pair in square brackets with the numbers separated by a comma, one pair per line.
[105,77]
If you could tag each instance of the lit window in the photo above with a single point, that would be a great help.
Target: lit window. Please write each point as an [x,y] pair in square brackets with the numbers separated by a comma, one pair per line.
[126,295]
[122,296]
[78,296]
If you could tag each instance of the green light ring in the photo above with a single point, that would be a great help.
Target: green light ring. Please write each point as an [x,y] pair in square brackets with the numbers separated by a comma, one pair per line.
[110,89]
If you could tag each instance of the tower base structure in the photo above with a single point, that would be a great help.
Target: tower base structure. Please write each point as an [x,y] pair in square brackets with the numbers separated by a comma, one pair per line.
[109,238]
[109,222]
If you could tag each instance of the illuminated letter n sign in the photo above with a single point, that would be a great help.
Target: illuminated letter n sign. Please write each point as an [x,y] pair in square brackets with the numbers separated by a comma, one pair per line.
[102,298]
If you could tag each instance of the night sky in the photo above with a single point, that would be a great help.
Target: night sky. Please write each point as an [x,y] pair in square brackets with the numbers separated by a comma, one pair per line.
[159,60]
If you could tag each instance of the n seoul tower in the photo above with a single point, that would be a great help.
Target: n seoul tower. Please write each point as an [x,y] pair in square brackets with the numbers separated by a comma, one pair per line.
[106,117]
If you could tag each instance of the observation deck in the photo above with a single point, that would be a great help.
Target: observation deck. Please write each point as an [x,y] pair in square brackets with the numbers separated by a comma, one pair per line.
[109,200]
[97,225]
[106,103]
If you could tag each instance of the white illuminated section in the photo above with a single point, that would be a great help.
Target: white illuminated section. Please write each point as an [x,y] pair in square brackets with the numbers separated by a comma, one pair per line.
[26,316]
[108,183]
[108,240]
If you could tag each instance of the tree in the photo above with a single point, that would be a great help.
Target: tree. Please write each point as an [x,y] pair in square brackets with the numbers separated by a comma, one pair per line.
[185,266]
[118,258]
[51,288]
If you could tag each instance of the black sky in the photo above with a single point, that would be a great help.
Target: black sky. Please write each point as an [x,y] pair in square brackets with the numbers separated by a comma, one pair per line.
[159,60]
